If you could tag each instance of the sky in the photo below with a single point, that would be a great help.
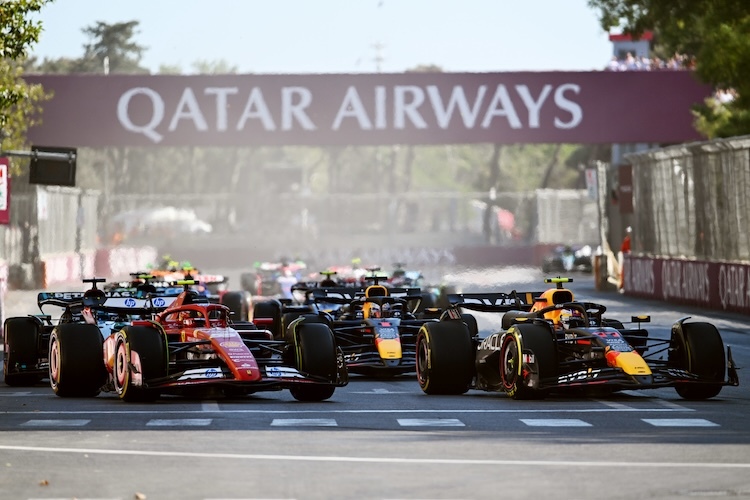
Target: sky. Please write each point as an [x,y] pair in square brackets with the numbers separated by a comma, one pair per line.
[342,36]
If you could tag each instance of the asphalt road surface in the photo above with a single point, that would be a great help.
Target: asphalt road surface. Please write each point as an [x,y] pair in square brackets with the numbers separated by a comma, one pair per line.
[385,439]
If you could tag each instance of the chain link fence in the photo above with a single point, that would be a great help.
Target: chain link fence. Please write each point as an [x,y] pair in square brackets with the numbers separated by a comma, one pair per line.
[691,201]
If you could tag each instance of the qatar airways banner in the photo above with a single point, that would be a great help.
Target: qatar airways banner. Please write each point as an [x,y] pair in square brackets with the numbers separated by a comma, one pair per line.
[713,285]
[368,109]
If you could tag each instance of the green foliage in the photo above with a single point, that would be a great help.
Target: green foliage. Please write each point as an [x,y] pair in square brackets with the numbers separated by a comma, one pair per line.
[714,33]
[220,67]
[19,102]
[110,49]
[17,30]
[112,45]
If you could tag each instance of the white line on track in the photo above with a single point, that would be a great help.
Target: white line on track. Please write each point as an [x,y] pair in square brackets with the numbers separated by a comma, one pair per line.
[392,460]
[179,422]
[670,404]
[430,422]
[555,422]
[210,406]
[380,391]
[679,422]
[161,410]
[614,405]
[304,422]
[55,423]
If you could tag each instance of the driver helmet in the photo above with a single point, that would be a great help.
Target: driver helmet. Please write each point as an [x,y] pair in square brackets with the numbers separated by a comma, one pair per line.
[385,311]
[374,311]
[571,318]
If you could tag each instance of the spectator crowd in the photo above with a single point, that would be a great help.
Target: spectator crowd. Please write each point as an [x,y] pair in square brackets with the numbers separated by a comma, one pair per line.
[634,63]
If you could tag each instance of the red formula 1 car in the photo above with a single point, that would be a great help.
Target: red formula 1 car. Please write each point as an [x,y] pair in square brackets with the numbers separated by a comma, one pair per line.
[549,342]
[193,348]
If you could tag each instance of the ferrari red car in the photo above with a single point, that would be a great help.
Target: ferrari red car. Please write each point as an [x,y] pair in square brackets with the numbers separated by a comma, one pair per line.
[191,347]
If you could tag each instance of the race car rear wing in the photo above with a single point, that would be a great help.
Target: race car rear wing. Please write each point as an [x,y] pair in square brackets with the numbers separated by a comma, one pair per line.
[494,302]
[132,306]
[346,295]
[336,295]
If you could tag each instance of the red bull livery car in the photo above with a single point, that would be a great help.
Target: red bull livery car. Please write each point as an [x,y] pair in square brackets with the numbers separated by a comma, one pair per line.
[549,342]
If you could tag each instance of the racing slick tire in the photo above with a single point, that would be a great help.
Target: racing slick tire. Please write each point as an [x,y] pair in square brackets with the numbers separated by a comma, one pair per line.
[517,382]
[140,351]
[471,322]
[445,357]
[21,346]
[238,305]
[76,360]
[288,318]
[428,301]
[315,349]
[270,309]
[248,282]
[698,348]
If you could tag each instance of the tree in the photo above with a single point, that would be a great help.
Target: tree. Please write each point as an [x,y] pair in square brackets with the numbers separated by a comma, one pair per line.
[220,67]
[714,33]
[112,47]
[18,100]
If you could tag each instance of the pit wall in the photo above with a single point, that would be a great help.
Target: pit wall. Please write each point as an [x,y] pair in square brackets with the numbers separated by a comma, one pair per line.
[723,286]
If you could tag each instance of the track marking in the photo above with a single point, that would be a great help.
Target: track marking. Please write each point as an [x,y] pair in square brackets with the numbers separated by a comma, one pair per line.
[614,405]
[16,394]
[179,422]
[670,404]
[161,410]
[211,406]
[380,391]
[679,422]
[304,422]
[638,464]
[555,422]
[430,422]
[55,423]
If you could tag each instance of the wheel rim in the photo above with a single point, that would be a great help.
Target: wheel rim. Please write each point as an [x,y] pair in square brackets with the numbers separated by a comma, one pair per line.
[54,362]
[509,362]
[5,357]
[121,367]
[422,361]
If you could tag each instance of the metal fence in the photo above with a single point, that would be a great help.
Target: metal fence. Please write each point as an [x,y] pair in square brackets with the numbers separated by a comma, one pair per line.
[693,200]
[50,220]
[47,220]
